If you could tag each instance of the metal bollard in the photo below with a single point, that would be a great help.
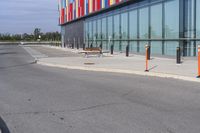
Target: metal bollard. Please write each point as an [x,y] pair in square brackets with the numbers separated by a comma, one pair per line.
[178,55]
[198,62]
[78,44]
[91,45]
[111,49]
[83,46]
[101,46]
[147,54]
[127,50]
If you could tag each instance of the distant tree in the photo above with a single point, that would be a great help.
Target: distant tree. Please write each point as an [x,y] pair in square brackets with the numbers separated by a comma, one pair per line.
[36,33]
[48,36]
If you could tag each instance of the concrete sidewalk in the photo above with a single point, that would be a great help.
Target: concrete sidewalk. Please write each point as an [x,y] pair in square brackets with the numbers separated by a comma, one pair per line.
[135,64]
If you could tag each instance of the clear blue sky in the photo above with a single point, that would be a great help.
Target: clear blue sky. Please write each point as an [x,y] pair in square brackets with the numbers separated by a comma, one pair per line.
[22,16]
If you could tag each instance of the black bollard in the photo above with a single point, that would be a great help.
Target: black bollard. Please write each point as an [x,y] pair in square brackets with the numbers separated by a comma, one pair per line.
[111,49]
[178,55]
[91,45]
[149,52]
[77,44]
[83,46]
[127,50]
[101,46]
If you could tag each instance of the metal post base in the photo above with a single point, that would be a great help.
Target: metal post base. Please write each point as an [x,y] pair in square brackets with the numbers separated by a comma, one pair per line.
[146,70]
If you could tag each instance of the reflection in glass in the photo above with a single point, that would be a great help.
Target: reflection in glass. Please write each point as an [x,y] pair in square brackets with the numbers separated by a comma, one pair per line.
[110,31]
[124,30]
[94,33]
[143,28]
[143,23]
[170,47]
[104,33]
[156,21]
[133,46]
[116,32]
[133,24]
[104,28]
[172,19]
[156,47]
[198,19]
[99,29]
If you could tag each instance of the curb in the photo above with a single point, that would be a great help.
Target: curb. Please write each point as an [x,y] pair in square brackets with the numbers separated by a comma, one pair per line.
[152,74]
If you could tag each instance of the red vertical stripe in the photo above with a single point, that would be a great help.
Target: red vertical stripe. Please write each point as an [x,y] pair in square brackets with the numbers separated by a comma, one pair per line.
[79,11]
[62,15]
[71,11]
[117,1]
[93,5]
[98,4]
[82,9]
[88,6]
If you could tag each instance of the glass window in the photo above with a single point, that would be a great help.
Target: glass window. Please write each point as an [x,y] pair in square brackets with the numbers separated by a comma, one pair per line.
[133,28]
[124,25]
[85,31]
[116,32]
[171,26]
[172,19]
[133,46]
[124,30]
[143,28]
[170,48]
[156,47]
[116,27]
[198,18]
[104,28]
[110,30]
[90,30]
[99,28]
[94,30]
[143,23]
[133,24]
[197,23]
[156,28]
[104,33]
[156,21]
[94,33]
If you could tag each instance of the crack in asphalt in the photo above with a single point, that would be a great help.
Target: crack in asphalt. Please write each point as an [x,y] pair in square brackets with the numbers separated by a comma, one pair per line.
[96,106]
[59,111]
[33,112]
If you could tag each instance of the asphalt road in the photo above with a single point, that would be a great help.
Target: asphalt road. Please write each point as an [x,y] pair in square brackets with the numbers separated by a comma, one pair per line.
[39,99]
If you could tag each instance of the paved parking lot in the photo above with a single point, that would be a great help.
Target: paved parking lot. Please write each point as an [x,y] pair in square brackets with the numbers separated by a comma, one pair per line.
[50,52]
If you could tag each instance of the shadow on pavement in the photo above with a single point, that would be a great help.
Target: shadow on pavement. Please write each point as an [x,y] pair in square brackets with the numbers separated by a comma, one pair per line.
[3,127]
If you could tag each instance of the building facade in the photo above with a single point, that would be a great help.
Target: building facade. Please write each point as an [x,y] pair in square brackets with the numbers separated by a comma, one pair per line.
[162,24]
